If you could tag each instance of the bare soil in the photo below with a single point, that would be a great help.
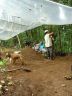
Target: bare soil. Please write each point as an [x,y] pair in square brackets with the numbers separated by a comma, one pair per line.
[45,79]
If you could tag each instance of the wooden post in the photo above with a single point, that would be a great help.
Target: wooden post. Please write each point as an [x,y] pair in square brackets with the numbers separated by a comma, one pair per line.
[60,44]
[19,41]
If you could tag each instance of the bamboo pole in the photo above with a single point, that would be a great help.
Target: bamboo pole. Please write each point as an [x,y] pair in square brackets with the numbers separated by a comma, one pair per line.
[19,41]
[60,43]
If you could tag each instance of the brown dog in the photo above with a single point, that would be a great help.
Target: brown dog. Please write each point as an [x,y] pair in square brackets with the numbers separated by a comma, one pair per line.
[14,56]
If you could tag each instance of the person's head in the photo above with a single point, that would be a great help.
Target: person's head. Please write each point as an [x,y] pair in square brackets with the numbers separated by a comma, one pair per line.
[46,31]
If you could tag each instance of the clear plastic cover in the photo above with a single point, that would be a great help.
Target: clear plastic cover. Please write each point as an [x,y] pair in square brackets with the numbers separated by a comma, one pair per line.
[17,16]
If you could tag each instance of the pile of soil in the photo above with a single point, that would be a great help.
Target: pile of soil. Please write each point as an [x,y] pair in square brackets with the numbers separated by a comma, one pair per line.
[45,79]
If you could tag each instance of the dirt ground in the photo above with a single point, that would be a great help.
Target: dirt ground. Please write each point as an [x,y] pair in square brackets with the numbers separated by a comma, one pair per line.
[45,79]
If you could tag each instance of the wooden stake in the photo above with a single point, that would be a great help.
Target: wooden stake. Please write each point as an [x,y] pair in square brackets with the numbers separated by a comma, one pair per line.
[19,41]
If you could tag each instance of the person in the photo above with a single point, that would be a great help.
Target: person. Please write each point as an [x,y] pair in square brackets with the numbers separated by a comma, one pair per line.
[48,37]
[42,48]
[36,46]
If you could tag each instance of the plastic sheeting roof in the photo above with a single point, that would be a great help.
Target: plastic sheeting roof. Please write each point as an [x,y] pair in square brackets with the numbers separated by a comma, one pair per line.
[17,16]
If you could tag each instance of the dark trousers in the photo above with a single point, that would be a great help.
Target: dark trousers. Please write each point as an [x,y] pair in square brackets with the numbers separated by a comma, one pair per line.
[50,52]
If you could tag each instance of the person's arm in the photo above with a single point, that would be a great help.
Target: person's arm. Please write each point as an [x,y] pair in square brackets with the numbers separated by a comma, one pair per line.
[50,34]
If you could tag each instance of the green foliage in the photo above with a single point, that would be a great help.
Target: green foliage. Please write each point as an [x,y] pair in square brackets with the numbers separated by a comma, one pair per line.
[62,34]
[7,43]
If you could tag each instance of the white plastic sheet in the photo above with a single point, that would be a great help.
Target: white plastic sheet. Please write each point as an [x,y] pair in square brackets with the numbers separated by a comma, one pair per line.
[17,16]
